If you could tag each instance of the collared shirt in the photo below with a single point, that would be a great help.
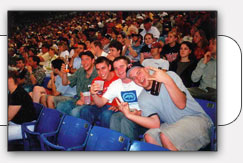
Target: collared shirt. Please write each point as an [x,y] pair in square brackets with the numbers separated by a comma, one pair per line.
[79,80]
[207,74]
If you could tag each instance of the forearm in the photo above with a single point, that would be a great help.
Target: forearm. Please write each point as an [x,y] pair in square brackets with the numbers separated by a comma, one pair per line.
[147,122]
[33,79]
[177,96]
[198,72]
[99,101]
[132,51]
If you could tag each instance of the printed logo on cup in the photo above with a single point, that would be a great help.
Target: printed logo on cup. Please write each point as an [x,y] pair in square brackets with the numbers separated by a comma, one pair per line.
[129,96]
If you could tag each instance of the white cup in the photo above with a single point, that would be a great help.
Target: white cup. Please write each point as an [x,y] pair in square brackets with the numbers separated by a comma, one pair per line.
[86,98]
[101,86]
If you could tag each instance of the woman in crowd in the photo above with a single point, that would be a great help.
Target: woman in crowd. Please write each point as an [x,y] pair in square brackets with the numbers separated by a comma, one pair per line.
[185,63]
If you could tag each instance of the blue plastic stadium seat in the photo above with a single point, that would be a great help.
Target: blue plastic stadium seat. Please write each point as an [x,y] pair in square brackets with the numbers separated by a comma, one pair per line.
[143,146]
[104,139]
[48,121]
[72,135]
[38,108]
[210,108]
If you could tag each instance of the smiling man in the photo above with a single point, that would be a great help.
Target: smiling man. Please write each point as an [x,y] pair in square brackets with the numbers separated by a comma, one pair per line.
[94,112]
[185,125]
[82,79]
[126,91]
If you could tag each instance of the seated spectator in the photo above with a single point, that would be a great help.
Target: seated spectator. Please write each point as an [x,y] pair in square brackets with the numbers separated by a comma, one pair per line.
[106,42]
[185,127]
[126,91]
[97,49]
[44,54]
[185,64]
[201,43]
[156,61]
[52,55]
[20,107]
[35,74]
[115,50]
[58,91]
[63,50]
[75,61]
[145,52]
[93,112]
[133,47]
[20,64]
[171,49]
[205,72]
[148,28]
[82,79]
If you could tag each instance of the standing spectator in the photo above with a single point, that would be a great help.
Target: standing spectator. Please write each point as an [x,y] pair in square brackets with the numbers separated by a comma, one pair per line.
[185,63]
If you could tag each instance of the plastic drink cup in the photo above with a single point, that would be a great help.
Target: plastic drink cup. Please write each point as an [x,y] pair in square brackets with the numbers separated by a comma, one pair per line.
[86,98]
[101,86]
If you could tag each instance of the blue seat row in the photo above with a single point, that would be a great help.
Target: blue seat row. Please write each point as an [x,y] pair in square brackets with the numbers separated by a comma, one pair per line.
[56,131]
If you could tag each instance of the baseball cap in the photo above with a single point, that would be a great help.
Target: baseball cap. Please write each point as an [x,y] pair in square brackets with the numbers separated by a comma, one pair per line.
[131,66]
[156,45]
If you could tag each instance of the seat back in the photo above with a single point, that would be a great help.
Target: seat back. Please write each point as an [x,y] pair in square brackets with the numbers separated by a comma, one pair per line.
[48,121]
[143,146]
[210,108]
[104,139]
[73,132]
[38,108]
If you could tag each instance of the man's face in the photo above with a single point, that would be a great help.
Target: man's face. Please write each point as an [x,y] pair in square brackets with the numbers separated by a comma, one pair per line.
[31,62]
[87,62]
[79,49]
[147,26]
[139,75]
[20,64]
[154,51]
[103,70]
[120,67]
[114,52]
[93,48]
[120,38]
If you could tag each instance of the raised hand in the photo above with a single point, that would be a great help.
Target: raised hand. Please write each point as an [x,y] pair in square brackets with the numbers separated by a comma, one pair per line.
[158,75]
[207,57]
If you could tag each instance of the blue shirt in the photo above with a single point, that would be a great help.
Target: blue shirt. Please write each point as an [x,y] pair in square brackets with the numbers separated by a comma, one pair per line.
[64,90]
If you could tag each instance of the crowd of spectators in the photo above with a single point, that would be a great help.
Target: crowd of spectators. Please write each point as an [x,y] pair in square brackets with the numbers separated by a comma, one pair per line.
[65,46]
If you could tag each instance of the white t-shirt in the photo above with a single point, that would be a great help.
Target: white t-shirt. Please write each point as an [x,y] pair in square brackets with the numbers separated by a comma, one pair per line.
[124,92]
